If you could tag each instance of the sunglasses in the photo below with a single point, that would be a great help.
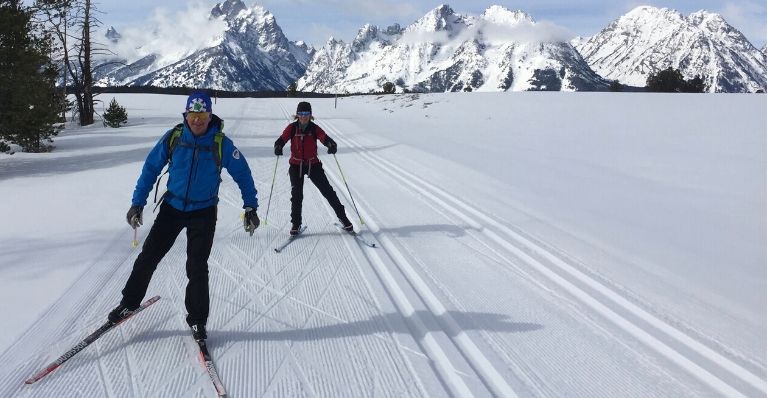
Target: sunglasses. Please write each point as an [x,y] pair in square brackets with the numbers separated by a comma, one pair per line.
[303,113]
[195,116]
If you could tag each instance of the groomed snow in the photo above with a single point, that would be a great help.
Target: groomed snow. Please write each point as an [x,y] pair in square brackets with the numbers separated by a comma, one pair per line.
[530,244]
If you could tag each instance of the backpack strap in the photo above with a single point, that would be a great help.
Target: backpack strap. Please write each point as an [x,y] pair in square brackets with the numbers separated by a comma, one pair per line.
[218,141]
[173,139]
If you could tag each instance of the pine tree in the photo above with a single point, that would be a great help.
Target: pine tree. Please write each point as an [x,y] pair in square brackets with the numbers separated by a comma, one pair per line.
[670,80]
[30,104]
[292,89]
[695,85]
[115,115]
[389,88]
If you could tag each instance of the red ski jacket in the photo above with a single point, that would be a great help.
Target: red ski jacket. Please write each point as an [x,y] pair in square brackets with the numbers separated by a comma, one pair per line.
[303,144]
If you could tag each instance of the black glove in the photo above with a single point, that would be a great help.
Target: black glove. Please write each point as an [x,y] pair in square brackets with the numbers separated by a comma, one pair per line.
[135,216]
[250,221]
[332,146]
[278,146]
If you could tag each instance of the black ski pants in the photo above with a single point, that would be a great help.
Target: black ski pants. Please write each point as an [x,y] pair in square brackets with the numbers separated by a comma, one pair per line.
[200,227]
[320,180]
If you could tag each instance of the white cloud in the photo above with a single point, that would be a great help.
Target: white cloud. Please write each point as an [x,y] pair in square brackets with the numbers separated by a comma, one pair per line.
[526,31]
[172,35]
[495,34]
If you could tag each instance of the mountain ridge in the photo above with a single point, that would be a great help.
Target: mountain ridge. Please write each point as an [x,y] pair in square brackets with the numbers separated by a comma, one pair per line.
[446,51]
[499,50]
[649,39]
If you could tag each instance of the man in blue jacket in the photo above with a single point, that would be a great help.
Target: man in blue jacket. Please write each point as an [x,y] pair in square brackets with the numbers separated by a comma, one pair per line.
[196,151]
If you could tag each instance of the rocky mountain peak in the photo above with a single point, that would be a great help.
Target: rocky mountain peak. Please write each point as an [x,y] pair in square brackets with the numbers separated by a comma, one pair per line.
[229,9]
[503,16]
[439,19]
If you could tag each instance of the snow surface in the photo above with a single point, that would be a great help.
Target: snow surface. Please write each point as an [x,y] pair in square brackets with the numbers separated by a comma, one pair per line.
[530,244]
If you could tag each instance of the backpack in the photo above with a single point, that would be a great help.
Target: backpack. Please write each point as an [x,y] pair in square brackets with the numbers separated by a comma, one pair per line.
[172,142]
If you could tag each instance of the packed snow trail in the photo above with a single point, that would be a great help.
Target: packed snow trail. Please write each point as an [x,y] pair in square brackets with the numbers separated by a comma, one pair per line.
[462,295]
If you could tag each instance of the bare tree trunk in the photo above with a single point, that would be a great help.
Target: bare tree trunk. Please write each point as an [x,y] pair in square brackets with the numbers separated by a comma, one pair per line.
[86,115]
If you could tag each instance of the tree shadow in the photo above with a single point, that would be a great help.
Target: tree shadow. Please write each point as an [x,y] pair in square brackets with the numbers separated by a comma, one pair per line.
[72,164]
[386,323]
[379,324]
[103,140]
[452,231]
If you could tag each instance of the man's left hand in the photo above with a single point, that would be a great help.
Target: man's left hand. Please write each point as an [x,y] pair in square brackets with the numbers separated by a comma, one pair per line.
[250,221]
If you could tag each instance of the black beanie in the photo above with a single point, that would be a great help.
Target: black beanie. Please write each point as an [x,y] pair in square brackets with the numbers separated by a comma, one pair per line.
[304,106]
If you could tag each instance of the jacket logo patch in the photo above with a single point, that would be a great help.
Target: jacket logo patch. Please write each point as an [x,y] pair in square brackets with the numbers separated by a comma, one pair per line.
[236,154]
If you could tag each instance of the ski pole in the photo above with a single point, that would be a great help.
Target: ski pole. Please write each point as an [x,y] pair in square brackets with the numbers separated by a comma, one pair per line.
[274,176]
[362,222]
[135,238]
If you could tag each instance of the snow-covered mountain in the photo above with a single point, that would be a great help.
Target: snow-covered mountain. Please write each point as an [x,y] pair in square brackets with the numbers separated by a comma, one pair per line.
[648,39]
[764,49]
[443,51]
[252,54]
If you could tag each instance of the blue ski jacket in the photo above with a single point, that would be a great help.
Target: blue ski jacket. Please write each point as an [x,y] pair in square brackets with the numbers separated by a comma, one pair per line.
[193,174]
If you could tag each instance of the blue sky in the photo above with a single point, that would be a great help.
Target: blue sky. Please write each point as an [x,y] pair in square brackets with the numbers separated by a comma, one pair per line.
[315,21]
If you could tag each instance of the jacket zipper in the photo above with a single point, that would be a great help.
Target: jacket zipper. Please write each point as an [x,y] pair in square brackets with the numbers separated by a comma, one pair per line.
[191,171]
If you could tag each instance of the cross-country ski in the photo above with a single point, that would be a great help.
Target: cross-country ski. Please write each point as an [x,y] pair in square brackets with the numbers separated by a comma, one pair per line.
[206,360]
[280,247]
[356,235]
[107,326]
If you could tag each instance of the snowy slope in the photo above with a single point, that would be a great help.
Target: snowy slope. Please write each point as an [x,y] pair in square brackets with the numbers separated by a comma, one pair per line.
[501,50]
[614,250]
[649,39]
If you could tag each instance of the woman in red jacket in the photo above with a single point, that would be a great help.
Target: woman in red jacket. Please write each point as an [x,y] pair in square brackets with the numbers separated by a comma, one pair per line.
[303,135]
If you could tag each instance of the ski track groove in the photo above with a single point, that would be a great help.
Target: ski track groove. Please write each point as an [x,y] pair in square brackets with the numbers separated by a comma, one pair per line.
[108,386]
[526,376]
[130,363]
[450,377]
[460,209]
[486,372]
